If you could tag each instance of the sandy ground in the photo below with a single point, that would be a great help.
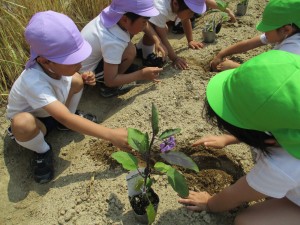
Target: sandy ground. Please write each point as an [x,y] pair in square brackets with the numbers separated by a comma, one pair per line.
[89,188]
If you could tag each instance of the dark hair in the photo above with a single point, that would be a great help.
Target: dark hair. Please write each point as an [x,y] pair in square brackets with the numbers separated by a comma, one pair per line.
[253,138]
[297,29]
[181,5]
[133,17]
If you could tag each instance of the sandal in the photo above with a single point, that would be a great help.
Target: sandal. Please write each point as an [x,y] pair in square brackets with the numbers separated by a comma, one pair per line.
[88,116]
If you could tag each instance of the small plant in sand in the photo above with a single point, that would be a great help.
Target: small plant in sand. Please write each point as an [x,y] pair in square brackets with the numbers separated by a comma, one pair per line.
[241,7]
[148,149]
[243,2]
[219,16]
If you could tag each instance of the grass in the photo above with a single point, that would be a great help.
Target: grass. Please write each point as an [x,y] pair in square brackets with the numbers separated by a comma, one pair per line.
[14,16]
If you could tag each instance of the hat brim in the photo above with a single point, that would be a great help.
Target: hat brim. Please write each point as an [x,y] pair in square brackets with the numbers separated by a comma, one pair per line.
[196,8]
[217,100]
[261,26]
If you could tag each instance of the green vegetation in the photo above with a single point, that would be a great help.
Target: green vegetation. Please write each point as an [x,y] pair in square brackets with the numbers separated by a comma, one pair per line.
[14,16]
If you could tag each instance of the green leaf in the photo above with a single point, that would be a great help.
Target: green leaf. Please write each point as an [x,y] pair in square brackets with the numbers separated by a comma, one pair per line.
[154,120]
[180,159]
[139,184]
[128,161]
[138,140]
[222,5]
[178,183]
[168,133]
[150,213]
[162,167]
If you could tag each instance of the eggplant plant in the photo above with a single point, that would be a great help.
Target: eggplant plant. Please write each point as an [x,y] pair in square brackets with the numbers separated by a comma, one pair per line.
[219,16]
[145,145]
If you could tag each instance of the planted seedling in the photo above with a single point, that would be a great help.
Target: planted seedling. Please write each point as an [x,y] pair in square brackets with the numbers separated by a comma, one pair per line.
[143,199]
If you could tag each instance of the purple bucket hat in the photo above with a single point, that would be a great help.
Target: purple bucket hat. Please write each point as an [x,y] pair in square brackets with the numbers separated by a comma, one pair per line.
[197,6]
[56,37]
[113,13]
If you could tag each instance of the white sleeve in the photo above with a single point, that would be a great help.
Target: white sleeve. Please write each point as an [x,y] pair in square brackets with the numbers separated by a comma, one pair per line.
[269,179]
[113,50]
[263,39]
[159,21]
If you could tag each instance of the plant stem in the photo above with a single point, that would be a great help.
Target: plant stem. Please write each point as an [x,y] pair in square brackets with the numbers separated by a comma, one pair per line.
[148,157]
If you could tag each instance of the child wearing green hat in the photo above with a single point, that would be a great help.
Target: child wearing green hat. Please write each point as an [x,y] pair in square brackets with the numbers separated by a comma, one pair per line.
[281,24]
[261,95]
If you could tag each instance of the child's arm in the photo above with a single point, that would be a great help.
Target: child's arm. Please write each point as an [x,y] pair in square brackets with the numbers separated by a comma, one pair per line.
[215,141]
[113,78]
[212,4]
[77,123]
[187,27]
[231,197]
[159,46]
[239,47]
[178,62]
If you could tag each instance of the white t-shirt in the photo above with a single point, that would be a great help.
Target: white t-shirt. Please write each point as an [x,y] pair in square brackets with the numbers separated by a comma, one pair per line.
[107,43]
[277,175]
[34,89]
[290,44]
[165,13]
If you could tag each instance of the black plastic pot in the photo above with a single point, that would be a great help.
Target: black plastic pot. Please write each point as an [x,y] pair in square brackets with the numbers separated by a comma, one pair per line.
[241,9]
[140,202]
[208,36]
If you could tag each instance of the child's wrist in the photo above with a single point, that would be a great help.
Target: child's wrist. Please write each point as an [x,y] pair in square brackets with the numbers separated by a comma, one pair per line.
[207,207]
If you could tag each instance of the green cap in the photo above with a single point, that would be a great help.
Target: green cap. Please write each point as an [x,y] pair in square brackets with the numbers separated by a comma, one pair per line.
[262,94]
[279,13]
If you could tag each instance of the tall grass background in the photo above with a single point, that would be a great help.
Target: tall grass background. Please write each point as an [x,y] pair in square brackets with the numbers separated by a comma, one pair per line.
[14,16]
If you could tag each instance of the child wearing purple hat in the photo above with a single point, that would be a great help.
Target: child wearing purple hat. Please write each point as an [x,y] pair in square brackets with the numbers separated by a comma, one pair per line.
[112,55]
[169,10]
[48,91]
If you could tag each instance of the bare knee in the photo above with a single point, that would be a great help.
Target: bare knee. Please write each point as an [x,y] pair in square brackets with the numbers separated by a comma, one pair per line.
[24,126]
[241,219]
[245,218]
[130,52]
[77,83]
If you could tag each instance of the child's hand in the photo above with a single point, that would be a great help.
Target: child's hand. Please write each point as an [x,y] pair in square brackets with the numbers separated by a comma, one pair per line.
[89,78]
[195,45]
[119,138]
[180,63]
[160,48]
[227,64]
[196,201]
[151,73]
[215,62]
[215,141]
[231,15]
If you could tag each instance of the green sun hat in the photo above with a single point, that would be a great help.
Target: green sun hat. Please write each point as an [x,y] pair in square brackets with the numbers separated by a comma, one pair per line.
[262,94]
[279,13]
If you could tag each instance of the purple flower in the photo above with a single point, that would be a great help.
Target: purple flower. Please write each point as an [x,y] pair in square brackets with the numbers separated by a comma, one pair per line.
[168,144]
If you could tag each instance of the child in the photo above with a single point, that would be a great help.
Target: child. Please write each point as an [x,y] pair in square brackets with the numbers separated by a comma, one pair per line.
[261,95]
[212,4]
[109,35]
[281,24]
[278,13]
[49,89]
[169,10]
